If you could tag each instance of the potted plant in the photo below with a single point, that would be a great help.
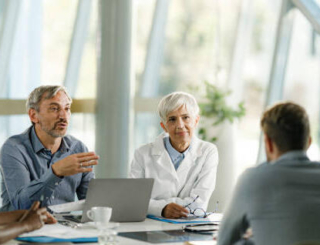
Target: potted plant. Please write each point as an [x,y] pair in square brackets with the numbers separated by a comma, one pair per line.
[214,108]
[215,112]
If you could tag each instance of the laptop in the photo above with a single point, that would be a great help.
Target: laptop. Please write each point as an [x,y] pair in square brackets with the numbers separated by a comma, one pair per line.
[128,198]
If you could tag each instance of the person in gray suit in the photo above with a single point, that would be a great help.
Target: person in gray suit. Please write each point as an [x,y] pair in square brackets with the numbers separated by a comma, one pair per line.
[279,199]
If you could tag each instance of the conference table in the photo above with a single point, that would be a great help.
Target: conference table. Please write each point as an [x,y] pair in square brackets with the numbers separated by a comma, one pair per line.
[147,225]
[151,225]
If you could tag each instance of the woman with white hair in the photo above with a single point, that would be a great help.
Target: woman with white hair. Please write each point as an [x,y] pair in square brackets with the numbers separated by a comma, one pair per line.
[183,166]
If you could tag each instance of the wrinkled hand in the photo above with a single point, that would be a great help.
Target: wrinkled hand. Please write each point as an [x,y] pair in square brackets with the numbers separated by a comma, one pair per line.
[33,218]
[74,164]
[174,211]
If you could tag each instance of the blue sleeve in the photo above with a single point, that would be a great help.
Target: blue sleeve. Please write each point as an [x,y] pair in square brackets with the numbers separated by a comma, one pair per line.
[86,177]
[21,191]
[83,187]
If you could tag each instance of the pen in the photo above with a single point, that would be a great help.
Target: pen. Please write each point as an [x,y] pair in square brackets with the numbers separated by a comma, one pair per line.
[34,207]
[41,200]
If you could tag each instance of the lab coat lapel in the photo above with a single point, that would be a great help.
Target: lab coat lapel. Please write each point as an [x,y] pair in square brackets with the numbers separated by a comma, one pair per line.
[162,157]
[189,161]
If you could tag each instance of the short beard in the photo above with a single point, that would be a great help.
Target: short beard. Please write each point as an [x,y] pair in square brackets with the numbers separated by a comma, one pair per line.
[52,132]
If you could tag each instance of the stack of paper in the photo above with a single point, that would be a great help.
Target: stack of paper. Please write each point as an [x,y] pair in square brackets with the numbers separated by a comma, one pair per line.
[68,207]
[60,233]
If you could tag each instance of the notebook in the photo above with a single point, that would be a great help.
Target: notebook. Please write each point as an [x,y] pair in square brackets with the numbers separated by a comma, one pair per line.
[128,198]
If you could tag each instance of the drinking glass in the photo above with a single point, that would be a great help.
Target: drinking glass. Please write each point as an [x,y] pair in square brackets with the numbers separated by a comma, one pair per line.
[107,231]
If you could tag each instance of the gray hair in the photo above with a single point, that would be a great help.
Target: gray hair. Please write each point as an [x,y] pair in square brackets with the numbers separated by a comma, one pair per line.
[35,97]
[174,101]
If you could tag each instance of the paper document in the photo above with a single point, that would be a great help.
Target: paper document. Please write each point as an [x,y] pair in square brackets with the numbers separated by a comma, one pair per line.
[201,243]
[61,231]
[215,217]
[68,207]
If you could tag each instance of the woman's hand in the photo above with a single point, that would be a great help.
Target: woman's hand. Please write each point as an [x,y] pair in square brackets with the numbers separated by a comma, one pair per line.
[174,211]
[49,219]
[33,218]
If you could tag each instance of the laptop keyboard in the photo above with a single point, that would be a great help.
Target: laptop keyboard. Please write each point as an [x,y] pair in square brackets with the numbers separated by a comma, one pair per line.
[74,218]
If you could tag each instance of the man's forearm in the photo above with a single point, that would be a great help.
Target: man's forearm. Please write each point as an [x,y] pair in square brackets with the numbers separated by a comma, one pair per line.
[35,190]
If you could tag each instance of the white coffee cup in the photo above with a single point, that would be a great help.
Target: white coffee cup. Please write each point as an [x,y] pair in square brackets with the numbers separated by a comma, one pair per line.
[100,215]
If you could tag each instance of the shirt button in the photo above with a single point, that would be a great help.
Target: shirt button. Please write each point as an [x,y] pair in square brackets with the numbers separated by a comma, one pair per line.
[56,183]
[52,197]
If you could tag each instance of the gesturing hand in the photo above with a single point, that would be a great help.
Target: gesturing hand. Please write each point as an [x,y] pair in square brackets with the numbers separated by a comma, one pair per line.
[174,211]
[74,164]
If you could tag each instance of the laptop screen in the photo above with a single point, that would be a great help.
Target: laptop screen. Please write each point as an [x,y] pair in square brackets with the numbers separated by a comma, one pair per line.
[128,198]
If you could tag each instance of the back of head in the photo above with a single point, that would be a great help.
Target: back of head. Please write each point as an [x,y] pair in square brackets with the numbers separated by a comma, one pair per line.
[287,125]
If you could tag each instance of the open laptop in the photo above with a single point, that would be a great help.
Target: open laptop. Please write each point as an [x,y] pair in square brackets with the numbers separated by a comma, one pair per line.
[128,198]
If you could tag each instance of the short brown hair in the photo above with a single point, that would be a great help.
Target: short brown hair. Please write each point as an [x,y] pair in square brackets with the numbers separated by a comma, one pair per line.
[287,125]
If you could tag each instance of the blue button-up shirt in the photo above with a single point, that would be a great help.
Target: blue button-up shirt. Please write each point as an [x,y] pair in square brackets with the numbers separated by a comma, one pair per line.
[27,175]
[175,156]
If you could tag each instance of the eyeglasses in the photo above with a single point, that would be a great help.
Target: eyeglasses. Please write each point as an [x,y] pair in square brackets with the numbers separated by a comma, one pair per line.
[198,212]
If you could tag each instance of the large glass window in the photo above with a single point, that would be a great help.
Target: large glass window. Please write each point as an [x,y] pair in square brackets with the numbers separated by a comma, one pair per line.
[197,46]
[176,45]
[40,40]
[303,75]
[257,61]
[39,56]
[58,23]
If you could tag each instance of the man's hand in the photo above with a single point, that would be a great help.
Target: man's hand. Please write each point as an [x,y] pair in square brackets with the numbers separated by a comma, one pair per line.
[74,164]
[174,211]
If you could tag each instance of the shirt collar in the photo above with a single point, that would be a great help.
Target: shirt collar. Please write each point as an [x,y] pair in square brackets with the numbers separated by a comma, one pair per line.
[174,154]
[36,143]
[38,146]
[292,155]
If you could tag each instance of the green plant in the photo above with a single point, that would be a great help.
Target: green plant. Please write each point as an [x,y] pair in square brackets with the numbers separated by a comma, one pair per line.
[214,106]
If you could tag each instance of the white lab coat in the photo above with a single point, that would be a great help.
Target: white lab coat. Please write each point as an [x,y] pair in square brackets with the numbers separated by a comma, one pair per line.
[196,174]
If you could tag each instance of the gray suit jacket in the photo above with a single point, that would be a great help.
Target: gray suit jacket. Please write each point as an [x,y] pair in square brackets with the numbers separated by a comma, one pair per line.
[280,202]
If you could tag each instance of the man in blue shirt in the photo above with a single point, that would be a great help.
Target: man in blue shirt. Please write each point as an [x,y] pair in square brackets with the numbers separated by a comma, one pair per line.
[44,163]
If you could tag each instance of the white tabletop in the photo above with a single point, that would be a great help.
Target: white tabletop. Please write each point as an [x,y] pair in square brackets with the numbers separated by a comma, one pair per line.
[147,225]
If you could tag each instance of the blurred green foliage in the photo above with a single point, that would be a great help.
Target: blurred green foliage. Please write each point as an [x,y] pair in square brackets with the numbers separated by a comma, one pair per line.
[214,106]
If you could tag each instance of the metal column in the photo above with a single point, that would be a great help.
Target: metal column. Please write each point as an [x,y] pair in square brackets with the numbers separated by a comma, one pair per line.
[114,93]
